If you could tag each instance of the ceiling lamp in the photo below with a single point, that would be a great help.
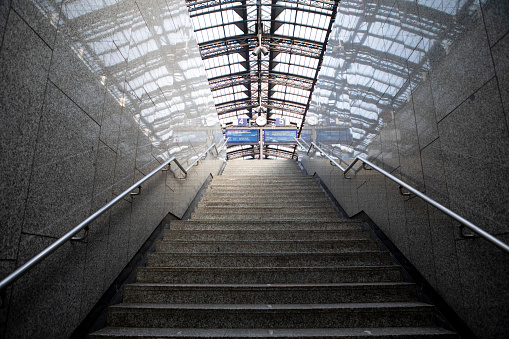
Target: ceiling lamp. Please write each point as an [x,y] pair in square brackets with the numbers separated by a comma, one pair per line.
[260,49]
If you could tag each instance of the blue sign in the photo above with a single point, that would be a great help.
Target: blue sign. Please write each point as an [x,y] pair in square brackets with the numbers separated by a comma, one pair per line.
[280,122]
[334,135]
[243,136]
[280,136]
[306,135]
[242,122]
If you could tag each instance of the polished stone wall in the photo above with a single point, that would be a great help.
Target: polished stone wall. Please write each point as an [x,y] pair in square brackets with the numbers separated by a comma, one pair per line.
[93,96]
[421,88]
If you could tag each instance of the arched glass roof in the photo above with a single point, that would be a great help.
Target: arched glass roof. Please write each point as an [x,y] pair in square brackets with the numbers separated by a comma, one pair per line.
[276,84]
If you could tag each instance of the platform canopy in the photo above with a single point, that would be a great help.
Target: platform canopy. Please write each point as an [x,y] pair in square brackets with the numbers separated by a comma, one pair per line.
[262,59]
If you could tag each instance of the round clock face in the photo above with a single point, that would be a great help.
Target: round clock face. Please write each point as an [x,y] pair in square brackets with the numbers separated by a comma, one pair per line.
[312,120]
[261,121]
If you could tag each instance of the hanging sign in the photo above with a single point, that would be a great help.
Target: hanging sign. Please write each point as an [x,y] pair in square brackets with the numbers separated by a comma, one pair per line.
[243,136]
[279,136]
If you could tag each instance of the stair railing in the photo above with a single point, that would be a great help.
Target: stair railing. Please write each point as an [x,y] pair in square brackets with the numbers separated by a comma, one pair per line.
[464,222]
[84,225]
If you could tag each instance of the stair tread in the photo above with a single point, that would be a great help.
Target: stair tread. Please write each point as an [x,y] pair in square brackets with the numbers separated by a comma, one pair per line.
[339,221]
[300,285]
[270,333]
[271,254]
[271,268]
[275,307]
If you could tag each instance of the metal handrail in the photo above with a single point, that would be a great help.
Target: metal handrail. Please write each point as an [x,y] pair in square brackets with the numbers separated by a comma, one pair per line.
[18,273]
[333,162]
[224,144]
[477,230]
[197,159]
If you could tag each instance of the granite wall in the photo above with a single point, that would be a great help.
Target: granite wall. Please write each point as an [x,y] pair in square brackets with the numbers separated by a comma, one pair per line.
[93,96]
[421,88]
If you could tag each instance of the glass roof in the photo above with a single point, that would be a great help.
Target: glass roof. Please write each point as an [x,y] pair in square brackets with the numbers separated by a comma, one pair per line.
[294,32]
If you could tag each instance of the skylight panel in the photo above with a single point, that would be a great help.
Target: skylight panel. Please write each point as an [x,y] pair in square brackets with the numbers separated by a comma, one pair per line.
[239,96]
[224,98]
[283,68]
[278,95]
[285,29]
[299,70]
[235,57]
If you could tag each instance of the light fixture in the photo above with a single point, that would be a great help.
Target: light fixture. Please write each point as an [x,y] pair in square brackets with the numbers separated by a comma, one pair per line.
[260,49]
[259,109]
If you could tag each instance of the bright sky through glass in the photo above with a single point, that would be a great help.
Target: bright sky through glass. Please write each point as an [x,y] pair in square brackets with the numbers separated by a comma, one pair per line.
[294,32]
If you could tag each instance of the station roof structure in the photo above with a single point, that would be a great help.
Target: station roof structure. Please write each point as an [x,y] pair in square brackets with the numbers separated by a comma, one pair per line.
[262,58]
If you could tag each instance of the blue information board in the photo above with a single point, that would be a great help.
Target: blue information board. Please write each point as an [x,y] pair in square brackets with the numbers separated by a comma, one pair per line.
[334,135]
[278,136]
[306,135]
[243,136]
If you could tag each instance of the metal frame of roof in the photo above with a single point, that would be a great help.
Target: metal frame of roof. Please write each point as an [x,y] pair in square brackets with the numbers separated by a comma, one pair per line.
[295,33]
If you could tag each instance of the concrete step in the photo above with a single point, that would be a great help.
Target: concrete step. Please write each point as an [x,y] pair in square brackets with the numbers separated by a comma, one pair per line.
[257,234]
[260,169]
[269,294]
[315,333]
[268,275]
[278,179]
[256,216]
[263,189]
[257,195]
[402,314]
[259,173]
[280,259]
[258,183]
[269,197]
[309,212]
[309,186]
[264,209]
[339,225]
[263,204]
[281,200]
[266,246]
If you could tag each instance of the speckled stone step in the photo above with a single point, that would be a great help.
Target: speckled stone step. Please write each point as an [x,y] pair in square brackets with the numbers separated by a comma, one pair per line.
[258,173]
[265,189]
[238,215]
[268,275]
[255,196]
[294,246]
[250,204]
[340,225]
[315,333]
[272,316]
[280,202]
[257,234]
[309,212]
[269,293]
[277,259]
[276,180]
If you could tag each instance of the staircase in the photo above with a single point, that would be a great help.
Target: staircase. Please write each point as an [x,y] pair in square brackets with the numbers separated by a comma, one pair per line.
[266,255]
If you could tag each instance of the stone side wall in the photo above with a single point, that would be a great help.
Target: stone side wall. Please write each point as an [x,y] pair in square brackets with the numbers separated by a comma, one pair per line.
[93,96]
[424,89]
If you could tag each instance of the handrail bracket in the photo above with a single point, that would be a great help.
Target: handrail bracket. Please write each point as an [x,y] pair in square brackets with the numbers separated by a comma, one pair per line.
[366,167]
[406,194]
[133,194]
[84,236]
[467,235]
